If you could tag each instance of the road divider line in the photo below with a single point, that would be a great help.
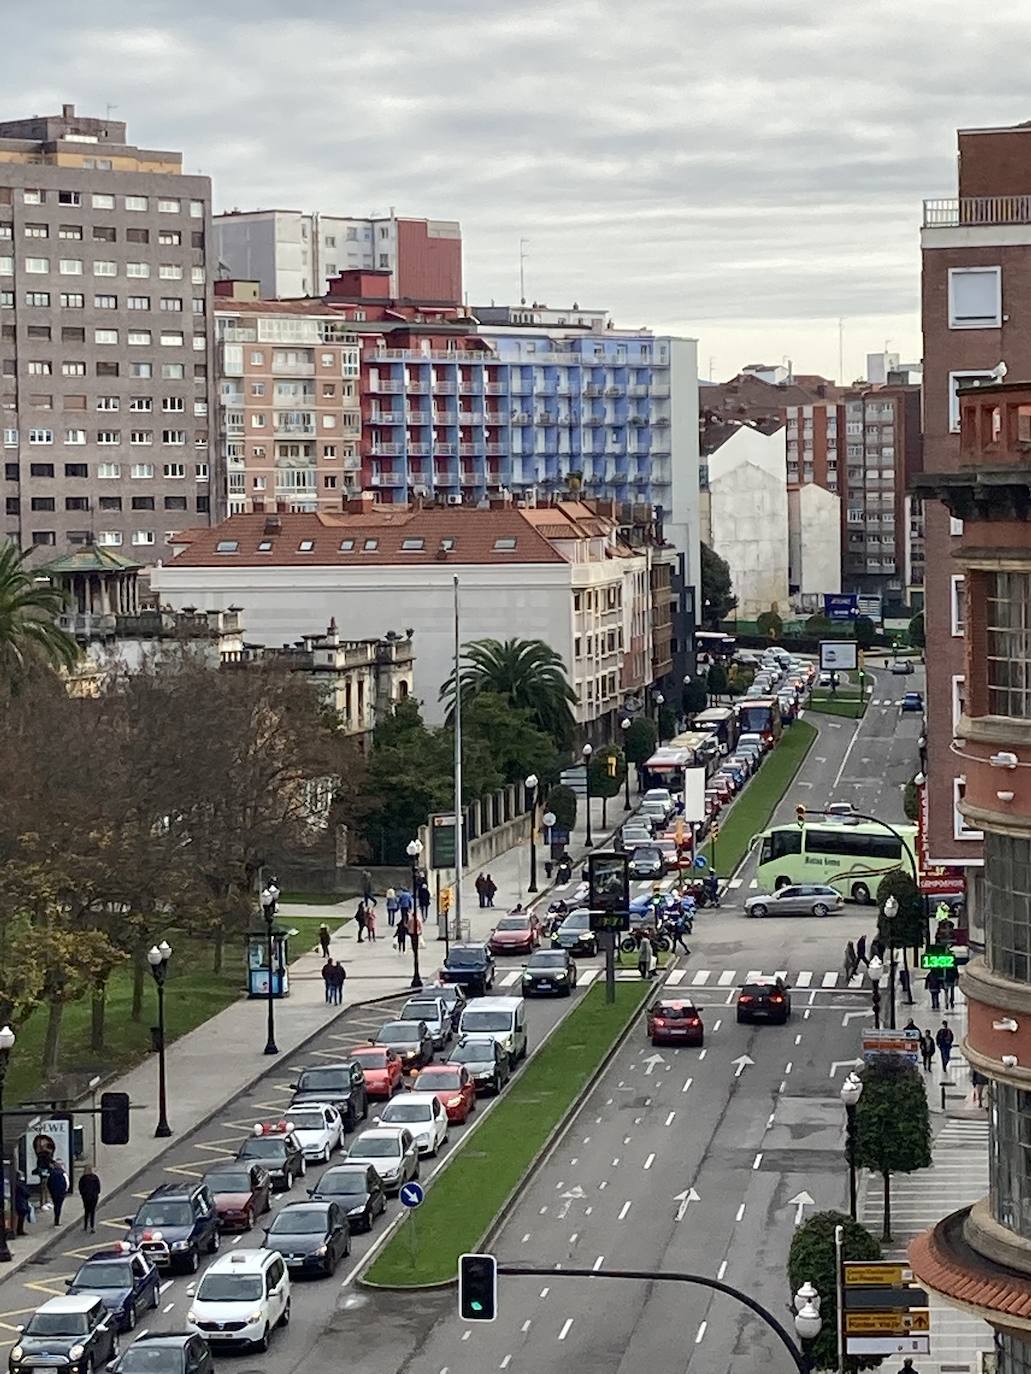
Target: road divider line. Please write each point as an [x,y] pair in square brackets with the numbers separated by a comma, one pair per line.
[721,1271]
[565,1328]
[701,1333]
[740,1212]
[624,1210]
[669,1119]
[757,1160]
[598,1262]
[649,1161]
[687,1084]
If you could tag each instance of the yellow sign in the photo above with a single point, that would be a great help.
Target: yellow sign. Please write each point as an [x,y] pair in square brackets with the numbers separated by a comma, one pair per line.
[888,1323]
[445,900]
[877,1275]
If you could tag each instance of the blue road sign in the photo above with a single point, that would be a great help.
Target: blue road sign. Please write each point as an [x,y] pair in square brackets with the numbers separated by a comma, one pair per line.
[412,1195]
[700,862]
[841,606]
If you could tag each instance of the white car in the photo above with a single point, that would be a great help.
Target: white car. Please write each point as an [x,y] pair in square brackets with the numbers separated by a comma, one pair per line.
[320,1129]
[241,1299]
[421,1113]
[435,1012]
[392,1152]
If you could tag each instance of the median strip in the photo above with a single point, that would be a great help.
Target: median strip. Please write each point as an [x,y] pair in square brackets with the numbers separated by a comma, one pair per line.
[479,1179]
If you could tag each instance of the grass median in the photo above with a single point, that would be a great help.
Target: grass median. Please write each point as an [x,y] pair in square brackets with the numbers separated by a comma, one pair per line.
[485,1170]
[756,804]
[843,704]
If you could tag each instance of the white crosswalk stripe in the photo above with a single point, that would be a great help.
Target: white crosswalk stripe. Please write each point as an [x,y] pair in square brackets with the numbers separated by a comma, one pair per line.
[676,977]
[753,974]
[727,977]
[587,977]
[509,978]
[701,978]
[830,980]
[735,883]
[754,882]
[804,979]
[781,973]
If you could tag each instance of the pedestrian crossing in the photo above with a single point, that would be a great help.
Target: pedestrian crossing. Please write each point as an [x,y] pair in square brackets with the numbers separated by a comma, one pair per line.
[729,977]
[735,883]
[585,977]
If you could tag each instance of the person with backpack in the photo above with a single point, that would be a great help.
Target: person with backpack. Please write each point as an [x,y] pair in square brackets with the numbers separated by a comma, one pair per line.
[359,919]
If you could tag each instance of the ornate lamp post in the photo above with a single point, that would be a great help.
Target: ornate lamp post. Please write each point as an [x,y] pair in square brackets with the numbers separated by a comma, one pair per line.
[531,805]
[587,752]
[625,726]
[891,910]
[269,899]
[414,849]
[660,701]
[808,1322]
[876,971]
[6,1046]
[851,1092]
[158,957]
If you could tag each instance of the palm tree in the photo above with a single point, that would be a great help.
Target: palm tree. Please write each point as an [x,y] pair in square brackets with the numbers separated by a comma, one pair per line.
[527,673]
[29,633]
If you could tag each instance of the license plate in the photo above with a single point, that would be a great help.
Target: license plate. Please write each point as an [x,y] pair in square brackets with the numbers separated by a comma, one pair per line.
[545,984]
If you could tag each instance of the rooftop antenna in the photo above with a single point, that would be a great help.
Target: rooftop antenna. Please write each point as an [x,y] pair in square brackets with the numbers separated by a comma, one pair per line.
[522,270]
[108,108]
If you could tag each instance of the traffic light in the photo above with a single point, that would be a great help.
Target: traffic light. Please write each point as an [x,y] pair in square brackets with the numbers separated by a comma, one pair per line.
[114,1118]
[800,814]
[477,1288]
[715,829]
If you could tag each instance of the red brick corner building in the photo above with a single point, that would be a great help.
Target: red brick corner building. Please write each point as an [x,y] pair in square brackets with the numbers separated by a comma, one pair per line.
[979,1258]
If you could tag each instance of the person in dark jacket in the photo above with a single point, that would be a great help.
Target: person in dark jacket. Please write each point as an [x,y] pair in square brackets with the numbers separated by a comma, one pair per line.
[933,984]
[944,1040]
[327,979]
[324,939]
[337,980]
[58,1185]
[89,1191]
[22,1205]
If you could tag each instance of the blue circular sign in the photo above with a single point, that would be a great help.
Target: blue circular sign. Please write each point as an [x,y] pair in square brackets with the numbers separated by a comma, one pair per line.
[412,1195]
[700,862]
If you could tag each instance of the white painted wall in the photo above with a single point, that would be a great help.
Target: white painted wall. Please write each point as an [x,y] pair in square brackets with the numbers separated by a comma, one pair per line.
[683,527]
[264,247]
[815,520]
[280,605]
[748,518]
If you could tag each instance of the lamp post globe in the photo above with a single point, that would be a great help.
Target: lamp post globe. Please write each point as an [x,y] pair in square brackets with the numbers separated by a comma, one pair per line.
[919,780]
[851,1090]
[153,956]
[587,751]
[7,1038]
[624,725]
[807,1294]
[530,786]
[891,908]
[875,969]
[808,1322]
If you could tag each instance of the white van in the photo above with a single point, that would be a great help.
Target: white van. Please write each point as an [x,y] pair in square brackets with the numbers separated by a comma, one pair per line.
[502,1018]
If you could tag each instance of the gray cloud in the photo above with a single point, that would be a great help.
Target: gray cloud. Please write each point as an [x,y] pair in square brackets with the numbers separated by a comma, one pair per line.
[742,170]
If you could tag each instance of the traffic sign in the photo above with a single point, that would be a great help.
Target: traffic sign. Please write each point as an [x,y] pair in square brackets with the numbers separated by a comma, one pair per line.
[865,1299]
[412,1195]
[916,1322]
[875,1273]
[904,1043]
[887,1345]
[700,861]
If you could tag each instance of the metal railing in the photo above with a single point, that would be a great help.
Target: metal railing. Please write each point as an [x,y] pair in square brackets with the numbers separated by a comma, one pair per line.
[962,212]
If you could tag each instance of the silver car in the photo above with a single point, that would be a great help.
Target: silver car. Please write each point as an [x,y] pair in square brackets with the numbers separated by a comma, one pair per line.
[799,899]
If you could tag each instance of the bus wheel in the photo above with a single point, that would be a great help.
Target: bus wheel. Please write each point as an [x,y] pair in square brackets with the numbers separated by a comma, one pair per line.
[780,882]
[861,893]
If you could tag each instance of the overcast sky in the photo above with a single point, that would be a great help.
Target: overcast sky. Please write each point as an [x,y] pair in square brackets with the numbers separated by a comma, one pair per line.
[744,171]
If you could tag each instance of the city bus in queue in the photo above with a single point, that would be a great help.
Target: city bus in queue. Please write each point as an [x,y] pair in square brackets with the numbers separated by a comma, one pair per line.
[759,716]
[722,722]
[701,747]
[851,856]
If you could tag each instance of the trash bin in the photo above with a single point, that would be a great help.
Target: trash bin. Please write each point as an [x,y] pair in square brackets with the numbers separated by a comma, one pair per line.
[155,1039]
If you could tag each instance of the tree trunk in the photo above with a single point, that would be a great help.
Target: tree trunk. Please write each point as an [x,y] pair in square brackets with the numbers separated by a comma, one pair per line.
[886,1229]
[52,1039]
[218,948]
[97,1009]
[139,971]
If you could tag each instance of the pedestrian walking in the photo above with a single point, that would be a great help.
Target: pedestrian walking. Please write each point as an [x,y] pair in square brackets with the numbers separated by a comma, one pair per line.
[337,979]
[878,949]
[645,957]
[861,956]
[370,922]
[906,986]
[324,940]
[359,919]
[712,888]
[22,1205]
[57,1183]
[679,930]
[944,1040]
[366,883]
[481,889]
[908,1367]
[851,962]
[490,887]
[927,1050]
[422,896]
[402,929]
[951,981]
[89,1191]
[327,978]
[933,984]
[391,906]
[978,1082]
[43,1148]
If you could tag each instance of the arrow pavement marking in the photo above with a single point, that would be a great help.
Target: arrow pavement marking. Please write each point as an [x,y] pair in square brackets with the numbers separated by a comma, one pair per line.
[576,1192]
[850,1014]
[842,1064]
[800,1202]
[652,1060]
[685,1199]
[741,1063]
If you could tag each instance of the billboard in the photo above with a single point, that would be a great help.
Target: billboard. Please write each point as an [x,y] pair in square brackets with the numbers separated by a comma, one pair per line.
[694,794]
[840,605]
[839,655]
[609,883]
[936,880]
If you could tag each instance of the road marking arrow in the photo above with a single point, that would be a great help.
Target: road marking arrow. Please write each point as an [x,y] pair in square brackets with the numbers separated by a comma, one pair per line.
[837,1064]
[741,1063]
[685,1199]
[850,1014]
[651,1061]
[800,1202]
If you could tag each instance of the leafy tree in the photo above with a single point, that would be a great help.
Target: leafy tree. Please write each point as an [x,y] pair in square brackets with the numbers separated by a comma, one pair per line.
[910,923]
[667,722]
[411,774]
[717,682]
[811,1259]
[526,673]
[639,740]
[29,634]
[511,741]
[915,633]
[864,631]
[893,1129]
[606,784]
[562,802]
[769,624]
[819,626]
[718,599]
[694,697]
[911,802]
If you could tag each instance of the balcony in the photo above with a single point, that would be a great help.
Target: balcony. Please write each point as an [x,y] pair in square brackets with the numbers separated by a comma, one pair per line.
[637,419]
[443,417]
[520,417]
[417,417]
[496,450]
[389,388]
[614,391]
[496,389]
[593,389]
[637,389]
[469,386]
[386,451]
[443,450]
[470,417]
[281,368]
[440,388]
[660,390]
[417,388]
[469,450]
[592,420]
[385,417]
[545,417]
[293,427]
[955,213]
[418,450]
[469,477]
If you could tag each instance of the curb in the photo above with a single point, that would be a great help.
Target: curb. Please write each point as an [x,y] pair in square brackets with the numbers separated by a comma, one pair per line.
[541,1157]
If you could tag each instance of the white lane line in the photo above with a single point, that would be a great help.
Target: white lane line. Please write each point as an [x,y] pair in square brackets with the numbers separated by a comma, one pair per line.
[726,977]
[603,1184]
[812,998]
[804,979]
[505,1362]
[687,1084]
[649,1161]
[788,1066]
[543,1210]
[701,1333]
[525,1238]
[830,980]
[798,1038]
[735,883]
[730,997]
[615,1162]
[166,1286]
[586,978]
[783,1085]
[141,1335]
[848,751]
[627,1139]
[676,977]
[757,1160]
[623,1211]
[565,1328]
[740,1212]
[545,1292]
[718,1024]
[598,1262]
[608,1103]
[807,1013]
[669,1119]
[574,1237]
[466,1335]
[769,1120]
[701,978]
[588,1211]
[587,1140]
[597,1120]
[509,979]
[526,1325]
[702,1054]
[721,1271]
[754,883]
[168,1309]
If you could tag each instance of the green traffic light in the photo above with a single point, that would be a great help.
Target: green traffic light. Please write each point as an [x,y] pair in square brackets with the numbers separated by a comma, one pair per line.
[476,1306]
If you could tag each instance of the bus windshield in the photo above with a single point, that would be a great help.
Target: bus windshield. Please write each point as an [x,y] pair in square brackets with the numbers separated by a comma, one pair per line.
[853,857]
[760,716]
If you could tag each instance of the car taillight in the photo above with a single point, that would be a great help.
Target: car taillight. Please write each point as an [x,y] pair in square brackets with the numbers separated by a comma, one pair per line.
[745,997]
[695,1021]
[776,997]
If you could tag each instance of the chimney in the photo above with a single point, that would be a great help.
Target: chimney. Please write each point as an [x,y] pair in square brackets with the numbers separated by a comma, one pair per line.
[362,504]
[67,111]
[273,525]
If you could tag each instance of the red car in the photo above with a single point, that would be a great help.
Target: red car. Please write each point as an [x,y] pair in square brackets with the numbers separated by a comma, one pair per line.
[452,1087]
[675,1021]
[517,933]
[241,1191]
[382,1069]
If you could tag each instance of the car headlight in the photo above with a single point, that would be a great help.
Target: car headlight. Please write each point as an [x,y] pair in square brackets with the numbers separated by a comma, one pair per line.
[17,1352]
[180,1245]
[321,1250]
[559,976]
[191,1316]
[76,1352]
[454,1101]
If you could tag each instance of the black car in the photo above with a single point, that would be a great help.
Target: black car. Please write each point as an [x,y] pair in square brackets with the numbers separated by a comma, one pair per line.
[126,1281]
[454,995]
[766,1000]
[411,1041]
[173,1226]
[358,1189]
[341,1085]
[278,1150]
[646,862]
[575,934]
[81,1324]
[165,1353]
[313,1237]
[549,971]
[488,1064]
[471,966]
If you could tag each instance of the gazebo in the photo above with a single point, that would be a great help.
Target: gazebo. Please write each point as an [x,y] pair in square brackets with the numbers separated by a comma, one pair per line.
[96,582]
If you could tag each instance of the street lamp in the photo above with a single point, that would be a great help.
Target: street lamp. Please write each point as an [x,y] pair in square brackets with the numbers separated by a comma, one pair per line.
[587,752]
[660,701]
[625,726]
[414,849]
[808,1322]
[891,910]
[851,1092]
[6,1045]
[269,897]
[531,805]
[158,957]
[875,968]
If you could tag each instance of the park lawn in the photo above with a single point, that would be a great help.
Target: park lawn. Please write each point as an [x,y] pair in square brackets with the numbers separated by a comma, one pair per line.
[470,1191]
[757,803]
[312,898]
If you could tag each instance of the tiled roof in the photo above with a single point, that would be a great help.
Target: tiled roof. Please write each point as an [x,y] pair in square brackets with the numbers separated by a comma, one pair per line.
[943,1260]
[90,559]
[480,537]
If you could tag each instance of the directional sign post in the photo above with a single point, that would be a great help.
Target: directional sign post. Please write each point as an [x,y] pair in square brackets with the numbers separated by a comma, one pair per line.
[885,1313]
[903,1043]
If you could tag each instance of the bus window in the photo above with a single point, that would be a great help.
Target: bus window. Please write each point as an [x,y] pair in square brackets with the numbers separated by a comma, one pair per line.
[844,841]
[779,844]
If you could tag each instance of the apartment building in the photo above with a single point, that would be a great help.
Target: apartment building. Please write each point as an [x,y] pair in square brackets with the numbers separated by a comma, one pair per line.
[976,275]
[292,254]
[105,338]
[979,1257]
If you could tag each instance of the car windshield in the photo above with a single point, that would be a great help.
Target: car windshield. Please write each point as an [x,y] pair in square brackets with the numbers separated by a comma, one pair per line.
[230,1288]
[398,1034]
[546,959]
[165,1214]
[104,1274]
[403,1112]
[57,1324]
[674,1013]
[330,1079]
[464,958]
[421,1011]
[266,1147]
[344,1182]
[146,1357]
[486,1021]
[232,1181]
[299,1221]
[308,1121]
[376,1147]
[441,1082]
[513,923]
[371,1059]
[578,921]
[645,855]
[475,1049]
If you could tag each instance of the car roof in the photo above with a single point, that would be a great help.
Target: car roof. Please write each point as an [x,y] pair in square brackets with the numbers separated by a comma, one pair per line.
[390,1025]
[684,1003]
[71,1302]
[341,1066]
[302,1202]
[478,946]
[493,1004]
[241,1262]
[166,1191]
[375,1133]
[420,1099]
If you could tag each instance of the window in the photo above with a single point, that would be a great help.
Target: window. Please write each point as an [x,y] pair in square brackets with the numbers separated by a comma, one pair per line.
[72,369]
[139,337]
[41,436]
[370,545]
[75,436]
[103,268]
[175,503]
[107,369]
[76,503]
[975,297]
[141,436]
[173,372]
[960,829]
[505,544]
[141,403]
[70,267]
[105,336]
[167,206]
[257,422]
[170,238]
[137,269]
[1008,631]
[306,546]
[36,331]
[110,503]
[42,503]
[72,401]
[171,303]
[37,231]
[170,271]
[197,276]
[137,235]
[959,603]
[36,298]
[104,233]
[37,265]
[958,700]
[109,470]
[69,198]
[44,537]
[138,302]
[136,202]
[72,300]
[197,209]
[227,546]
[33,196]
[142,471]
[107,402]
[956,380]
[41,469]
[102,201]
[202,472]
[174,470]
[109,436]
[412,545]
[143,536]
[70,231]
[112,538]
[72,334]
[76,470]
[171,338]
[142,503]
[141,371]
[198,305]
[173,436]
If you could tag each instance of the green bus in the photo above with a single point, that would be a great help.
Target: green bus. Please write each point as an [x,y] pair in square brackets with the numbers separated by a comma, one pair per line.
[852,856]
